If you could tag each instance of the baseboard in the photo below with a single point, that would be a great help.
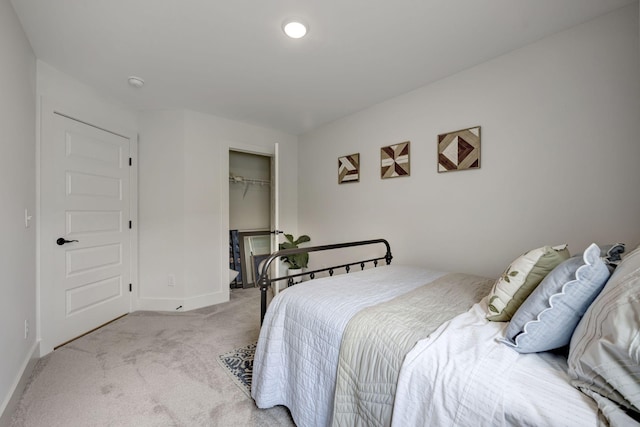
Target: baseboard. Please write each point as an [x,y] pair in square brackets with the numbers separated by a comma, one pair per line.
[11,402]
[206,300]
[160,304]
[182,304]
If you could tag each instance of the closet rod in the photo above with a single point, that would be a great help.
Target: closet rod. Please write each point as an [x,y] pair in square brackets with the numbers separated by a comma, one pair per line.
[243,180]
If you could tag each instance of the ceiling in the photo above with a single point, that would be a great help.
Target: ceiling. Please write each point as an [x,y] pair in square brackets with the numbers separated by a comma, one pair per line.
[231,58]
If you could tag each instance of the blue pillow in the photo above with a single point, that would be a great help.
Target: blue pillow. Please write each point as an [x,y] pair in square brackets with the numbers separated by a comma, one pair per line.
[548,317]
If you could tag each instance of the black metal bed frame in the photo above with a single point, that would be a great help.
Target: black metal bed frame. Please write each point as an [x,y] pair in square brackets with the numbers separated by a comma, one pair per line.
[265,281]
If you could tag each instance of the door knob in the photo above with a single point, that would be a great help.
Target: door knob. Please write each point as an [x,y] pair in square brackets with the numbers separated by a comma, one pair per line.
[61,241]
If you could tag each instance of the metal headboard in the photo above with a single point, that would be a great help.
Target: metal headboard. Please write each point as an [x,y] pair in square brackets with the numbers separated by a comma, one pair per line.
[265,281]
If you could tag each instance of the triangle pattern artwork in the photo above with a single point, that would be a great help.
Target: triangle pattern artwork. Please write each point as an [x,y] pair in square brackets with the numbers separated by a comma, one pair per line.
[394,160]
[349,168]
[459,150]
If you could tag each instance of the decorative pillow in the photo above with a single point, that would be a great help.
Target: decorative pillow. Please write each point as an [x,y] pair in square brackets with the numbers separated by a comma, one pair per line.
[547,319]
[612,254]
[521,278]
[604,353]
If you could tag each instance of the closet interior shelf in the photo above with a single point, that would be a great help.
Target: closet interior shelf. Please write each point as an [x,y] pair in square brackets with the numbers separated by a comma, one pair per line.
[242,180]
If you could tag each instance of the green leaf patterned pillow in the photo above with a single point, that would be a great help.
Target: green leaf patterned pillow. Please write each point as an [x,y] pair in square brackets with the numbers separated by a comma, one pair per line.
[521,278]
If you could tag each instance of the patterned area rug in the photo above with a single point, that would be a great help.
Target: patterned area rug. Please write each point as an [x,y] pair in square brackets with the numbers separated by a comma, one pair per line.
[239,365]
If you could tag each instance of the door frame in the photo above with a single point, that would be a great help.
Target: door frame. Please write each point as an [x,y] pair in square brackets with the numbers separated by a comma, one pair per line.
[267,151]
[104,120]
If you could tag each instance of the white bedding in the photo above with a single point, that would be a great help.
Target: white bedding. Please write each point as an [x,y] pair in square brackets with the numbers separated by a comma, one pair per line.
[461,376]
[297,354]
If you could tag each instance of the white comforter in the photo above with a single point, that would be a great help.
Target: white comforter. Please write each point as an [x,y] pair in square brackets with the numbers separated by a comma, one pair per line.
[460,376]
[297,354]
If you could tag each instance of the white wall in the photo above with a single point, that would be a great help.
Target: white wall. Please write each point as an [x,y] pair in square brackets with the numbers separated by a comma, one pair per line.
[17,193]
[560,150]
[78,99]
[184,202]
[161,207]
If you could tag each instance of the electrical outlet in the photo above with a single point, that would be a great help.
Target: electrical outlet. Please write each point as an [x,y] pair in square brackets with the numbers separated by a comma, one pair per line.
[172,280]
[26,329]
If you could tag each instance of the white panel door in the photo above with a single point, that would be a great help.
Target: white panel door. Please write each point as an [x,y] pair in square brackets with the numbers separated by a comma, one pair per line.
[85,238]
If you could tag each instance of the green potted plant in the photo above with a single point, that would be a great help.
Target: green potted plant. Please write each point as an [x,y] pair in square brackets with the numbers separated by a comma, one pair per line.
[296,262]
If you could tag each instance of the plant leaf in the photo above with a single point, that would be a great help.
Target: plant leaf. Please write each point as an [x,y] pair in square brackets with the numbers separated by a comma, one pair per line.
[300,260]
[303,239]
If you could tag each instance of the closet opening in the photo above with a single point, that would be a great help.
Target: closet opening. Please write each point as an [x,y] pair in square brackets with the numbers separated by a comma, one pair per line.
[250,207]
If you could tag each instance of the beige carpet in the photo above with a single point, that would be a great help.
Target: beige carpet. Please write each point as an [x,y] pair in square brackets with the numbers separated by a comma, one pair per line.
[151,369]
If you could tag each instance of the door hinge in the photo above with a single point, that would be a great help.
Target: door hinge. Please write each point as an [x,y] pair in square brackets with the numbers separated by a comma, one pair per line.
[130,287]
[130,224]
[130,161]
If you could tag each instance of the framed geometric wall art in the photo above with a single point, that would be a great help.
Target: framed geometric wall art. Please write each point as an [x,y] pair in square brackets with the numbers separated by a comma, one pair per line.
[349,168]
[394,160]
[459,150]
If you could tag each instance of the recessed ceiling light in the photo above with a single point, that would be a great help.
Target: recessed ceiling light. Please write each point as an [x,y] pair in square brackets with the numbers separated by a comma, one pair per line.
[294,29]
[136,81]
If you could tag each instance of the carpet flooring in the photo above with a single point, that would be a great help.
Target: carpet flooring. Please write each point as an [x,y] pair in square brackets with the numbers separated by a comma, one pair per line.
[151,369]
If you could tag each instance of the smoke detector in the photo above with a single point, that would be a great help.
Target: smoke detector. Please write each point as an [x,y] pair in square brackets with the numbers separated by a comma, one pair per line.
[137,82]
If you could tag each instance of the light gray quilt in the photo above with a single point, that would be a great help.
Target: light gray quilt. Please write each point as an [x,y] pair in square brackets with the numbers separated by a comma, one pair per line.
[377,339]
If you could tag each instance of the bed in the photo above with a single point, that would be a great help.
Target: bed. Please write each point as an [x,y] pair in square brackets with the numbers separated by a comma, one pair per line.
[403,346]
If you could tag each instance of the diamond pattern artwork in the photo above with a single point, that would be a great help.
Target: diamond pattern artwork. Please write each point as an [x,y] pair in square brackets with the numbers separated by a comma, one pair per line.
[349,168]
[459,150]
[394,160]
